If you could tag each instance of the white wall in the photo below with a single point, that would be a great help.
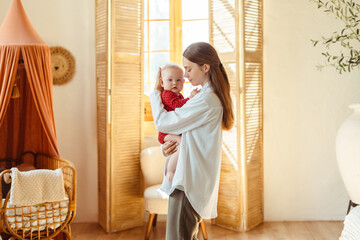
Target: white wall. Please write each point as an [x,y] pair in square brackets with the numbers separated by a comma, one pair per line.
[71,24]
[303,108]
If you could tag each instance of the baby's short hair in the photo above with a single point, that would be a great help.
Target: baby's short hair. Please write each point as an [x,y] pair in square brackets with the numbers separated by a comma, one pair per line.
[171,65]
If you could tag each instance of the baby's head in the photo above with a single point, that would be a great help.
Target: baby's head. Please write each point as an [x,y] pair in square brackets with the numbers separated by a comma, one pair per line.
[172,77]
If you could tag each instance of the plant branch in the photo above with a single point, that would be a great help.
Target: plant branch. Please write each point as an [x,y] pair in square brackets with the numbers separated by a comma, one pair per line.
[348,12]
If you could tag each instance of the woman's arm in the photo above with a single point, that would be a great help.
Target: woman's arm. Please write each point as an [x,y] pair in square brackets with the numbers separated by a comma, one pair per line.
[190,116]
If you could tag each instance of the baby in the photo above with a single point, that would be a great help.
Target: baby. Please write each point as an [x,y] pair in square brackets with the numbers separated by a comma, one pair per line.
[172,80]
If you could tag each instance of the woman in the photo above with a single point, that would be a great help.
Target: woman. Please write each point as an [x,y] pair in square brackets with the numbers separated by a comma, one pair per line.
[193,192]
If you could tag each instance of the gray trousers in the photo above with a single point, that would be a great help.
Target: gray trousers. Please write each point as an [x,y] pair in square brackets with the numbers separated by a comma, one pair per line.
[182,220]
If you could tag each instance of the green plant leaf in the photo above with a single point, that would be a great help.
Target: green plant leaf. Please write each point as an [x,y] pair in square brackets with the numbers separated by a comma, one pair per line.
[348,37]
[352,12]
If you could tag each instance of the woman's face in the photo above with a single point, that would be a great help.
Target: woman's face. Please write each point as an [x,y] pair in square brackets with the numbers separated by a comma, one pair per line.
[196,74]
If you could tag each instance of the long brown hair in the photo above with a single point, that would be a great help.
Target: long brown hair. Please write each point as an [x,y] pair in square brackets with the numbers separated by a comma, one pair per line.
[203,53]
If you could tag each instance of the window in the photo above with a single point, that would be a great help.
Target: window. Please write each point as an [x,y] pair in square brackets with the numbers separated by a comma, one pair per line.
[169,27]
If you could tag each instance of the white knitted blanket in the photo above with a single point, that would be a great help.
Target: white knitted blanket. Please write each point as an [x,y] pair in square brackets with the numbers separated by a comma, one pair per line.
[34,218]
[36,186]
[351,229]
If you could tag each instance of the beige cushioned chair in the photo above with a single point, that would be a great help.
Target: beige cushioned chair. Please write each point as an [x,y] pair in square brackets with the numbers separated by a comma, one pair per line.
[155,201]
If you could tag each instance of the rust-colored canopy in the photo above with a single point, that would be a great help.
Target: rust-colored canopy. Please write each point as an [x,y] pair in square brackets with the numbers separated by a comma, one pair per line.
[16,28]
[26,123]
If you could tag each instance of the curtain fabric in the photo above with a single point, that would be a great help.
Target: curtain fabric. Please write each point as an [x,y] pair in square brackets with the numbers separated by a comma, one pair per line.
[26,123]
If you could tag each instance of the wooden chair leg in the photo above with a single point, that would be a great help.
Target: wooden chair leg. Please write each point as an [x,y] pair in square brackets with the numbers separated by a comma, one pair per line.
[203,230]
[149,225]
[67,234]
[155,220]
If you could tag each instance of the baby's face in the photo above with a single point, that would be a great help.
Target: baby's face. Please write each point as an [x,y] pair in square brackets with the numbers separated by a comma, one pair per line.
[172,79]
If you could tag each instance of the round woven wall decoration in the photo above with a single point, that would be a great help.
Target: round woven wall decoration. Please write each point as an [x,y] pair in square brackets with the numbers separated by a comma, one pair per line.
[62,65]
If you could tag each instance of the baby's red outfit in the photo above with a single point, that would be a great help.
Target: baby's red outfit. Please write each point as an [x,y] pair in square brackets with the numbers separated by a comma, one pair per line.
[171,101]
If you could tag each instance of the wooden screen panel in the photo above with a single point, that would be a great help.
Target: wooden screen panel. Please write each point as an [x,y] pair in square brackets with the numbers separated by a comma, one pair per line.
[126,115]
[253,104]
[236,33]
[119,114]
[223,38]
[102,103]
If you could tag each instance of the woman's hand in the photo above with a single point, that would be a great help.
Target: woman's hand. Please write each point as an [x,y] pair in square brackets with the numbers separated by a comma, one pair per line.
[158,82]
[170,147]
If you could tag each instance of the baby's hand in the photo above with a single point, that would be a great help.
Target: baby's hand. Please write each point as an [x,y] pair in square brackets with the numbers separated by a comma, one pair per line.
[158,82]
[193,93]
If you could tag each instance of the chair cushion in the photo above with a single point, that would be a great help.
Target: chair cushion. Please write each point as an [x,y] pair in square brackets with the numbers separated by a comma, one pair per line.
[155,200]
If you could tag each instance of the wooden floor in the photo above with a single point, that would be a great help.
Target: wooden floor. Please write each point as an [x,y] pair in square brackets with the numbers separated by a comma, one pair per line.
[266,231]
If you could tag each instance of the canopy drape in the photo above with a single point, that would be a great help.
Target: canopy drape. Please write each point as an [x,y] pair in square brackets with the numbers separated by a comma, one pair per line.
[26,123]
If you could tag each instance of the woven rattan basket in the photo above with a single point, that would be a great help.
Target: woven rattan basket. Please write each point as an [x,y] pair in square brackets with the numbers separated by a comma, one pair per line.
[46,220]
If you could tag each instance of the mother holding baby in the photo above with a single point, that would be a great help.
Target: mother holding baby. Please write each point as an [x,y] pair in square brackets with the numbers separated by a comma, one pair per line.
[193,191]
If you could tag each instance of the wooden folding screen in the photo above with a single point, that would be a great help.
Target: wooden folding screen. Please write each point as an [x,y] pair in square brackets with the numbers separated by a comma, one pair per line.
[119,101]
[236,32]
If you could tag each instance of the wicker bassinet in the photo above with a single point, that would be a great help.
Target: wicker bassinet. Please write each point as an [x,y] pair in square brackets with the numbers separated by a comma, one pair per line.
[41,221]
